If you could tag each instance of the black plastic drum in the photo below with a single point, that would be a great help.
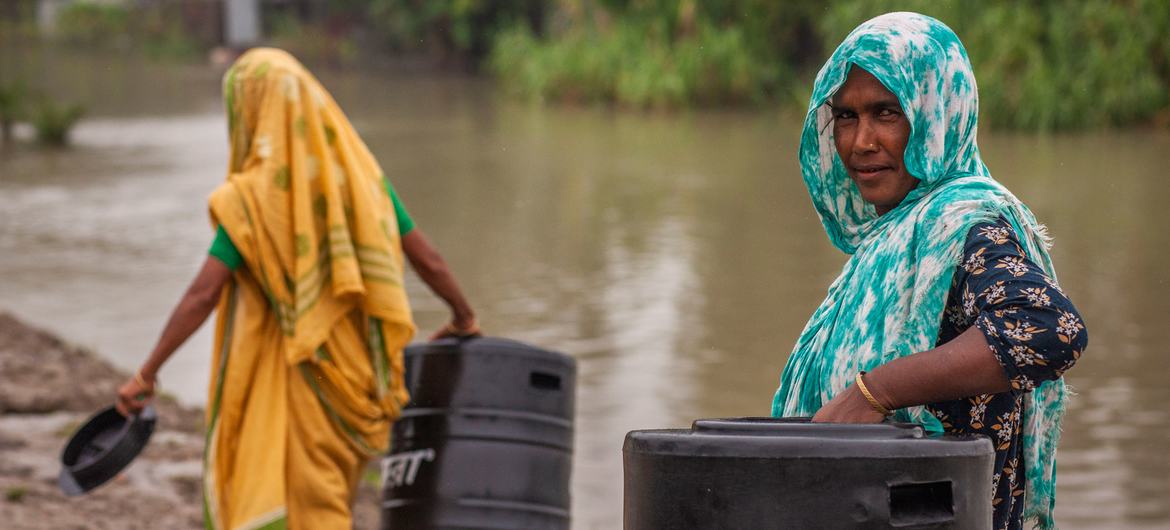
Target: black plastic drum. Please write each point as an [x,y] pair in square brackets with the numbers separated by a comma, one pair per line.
[487,440]
[764,473]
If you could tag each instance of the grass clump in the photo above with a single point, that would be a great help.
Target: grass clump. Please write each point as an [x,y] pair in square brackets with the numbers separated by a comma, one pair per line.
[54,121]
[372,476]
[15,493]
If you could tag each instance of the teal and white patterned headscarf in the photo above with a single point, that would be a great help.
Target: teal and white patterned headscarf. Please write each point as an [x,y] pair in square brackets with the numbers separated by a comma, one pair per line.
[888,301]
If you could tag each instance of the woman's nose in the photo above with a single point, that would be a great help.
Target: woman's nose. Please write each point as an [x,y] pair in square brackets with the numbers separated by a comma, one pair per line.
[865,141]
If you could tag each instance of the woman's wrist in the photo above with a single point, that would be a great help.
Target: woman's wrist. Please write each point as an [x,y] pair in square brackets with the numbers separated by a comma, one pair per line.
[879,391]
[463,319]
[148,372]
[463,324]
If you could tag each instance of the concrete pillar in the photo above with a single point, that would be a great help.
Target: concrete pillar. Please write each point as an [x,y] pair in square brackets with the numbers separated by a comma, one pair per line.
[241,23]
[47,15]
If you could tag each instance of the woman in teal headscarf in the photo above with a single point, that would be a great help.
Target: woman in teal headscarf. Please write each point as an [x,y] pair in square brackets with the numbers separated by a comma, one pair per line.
[947,313]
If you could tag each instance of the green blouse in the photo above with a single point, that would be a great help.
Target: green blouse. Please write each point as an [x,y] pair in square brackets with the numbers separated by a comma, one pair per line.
[223,249]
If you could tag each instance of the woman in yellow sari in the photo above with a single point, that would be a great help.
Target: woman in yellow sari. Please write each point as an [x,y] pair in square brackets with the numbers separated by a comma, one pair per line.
[306,274]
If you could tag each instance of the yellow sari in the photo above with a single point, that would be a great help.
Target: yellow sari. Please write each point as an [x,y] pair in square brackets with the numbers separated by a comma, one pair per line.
[307,368]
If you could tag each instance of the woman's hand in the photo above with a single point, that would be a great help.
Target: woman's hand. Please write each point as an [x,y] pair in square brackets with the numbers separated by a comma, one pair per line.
[459,329]
[849,406]
[134,395]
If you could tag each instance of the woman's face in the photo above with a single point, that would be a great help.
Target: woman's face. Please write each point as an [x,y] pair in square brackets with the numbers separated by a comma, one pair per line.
[870,132]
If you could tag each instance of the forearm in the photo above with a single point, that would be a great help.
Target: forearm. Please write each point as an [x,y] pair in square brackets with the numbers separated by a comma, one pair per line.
[433,270]
[186,318]
[961,368]
[190,313]
[443,284]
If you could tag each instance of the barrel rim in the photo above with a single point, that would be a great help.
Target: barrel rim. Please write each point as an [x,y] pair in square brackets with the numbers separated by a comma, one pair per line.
[687,443]
[509,346]
[797,427]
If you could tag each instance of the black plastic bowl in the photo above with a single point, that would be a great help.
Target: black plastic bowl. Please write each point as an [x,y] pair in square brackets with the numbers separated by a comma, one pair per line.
[102,448]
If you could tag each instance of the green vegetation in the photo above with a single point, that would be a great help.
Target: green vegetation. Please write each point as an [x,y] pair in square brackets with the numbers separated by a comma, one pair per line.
[589,66]
[372,475]
[1043,65]
[164,30]
[1052,64]
[53,121]
[661,53]
[457,32]
[89,24]
[12,109]
[15,493]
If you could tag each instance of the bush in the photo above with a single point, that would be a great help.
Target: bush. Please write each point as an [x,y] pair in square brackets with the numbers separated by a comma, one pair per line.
[12,108]
[54,121]
[635,63]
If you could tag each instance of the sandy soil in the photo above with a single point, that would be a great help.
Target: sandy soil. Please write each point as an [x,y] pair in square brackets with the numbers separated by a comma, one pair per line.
[47,388]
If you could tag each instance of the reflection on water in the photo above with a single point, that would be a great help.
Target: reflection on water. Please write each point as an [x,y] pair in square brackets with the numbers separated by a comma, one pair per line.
[676,257]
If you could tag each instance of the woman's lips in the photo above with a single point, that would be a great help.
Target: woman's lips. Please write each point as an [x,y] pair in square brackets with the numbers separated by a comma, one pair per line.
[870,172]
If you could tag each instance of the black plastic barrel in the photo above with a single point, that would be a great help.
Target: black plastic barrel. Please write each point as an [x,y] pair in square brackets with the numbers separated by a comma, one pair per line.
[486,441]
[764,473]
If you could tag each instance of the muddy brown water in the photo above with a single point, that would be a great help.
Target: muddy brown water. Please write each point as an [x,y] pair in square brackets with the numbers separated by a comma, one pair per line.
[675,256]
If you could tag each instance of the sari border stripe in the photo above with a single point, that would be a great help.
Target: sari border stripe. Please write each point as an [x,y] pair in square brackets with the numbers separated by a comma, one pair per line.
[350,432]
[210,506]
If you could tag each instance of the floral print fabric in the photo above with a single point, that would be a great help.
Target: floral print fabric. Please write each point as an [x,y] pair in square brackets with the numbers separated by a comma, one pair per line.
[1035,333]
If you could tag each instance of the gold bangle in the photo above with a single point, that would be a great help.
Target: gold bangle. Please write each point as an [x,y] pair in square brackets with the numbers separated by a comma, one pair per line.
[873,402]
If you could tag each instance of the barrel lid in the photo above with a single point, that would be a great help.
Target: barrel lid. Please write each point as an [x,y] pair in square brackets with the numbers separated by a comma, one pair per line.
[754,437]
[488,345]
[802,427]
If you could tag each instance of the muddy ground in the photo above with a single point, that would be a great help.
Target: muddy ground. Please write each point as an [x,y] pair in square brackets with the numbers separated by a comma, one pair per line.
[47,388]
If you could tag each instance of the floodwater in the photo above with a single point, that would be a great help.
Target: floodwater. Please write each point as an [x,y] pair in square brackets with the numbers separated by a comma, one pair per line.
[676,257]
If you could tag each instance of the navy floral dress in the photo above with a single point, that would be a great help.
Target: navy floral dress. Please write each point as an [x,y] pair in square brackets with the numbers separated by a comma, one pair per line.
[1036,335]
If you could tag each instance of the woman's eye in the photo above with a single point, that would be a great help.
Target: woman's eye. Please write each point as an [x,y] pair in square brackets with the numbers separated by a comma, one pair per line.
[888,113]
[844,115]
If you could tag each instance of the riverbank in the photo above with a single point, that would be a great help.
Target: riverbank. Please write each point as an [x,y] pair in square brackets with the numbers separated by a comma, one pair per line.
[47,388]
